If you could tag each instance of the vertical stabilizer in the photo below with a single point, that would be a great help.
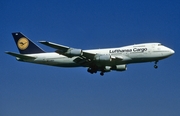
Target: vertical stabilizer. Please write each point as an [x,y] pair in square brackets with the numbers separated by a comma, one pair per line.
[25,45]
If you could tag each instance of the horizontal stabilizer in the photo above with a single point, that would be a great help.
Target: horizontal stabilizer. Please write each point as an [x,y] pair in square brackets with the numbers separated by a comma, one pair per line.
[21,56]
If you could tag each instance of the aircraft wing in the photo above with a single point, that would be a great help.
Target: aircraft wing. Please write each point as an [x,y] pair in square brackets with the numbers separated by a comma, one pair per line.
[63,49]
[54,45]
[21,56]
[84,57]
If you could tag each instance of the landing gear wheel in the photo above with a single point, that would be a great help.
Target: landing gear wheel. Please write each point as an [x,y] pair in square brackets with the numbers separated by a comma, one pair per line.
[102,73]
[155,66]
[91,70]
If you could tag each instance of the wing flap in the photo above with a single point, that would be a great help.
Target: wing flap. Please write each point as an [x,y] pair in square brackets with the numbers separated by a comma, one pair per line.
[80,60]
[118,58]
[88,55]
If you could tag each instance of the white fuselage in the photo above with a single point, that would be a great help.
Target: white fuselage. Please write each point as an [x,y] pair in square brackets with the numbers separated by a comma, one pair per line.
[137,53]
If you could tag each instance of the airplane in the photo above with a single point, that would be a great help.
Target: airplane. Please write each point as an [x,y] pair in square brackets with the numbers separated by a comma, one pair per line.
[103,60]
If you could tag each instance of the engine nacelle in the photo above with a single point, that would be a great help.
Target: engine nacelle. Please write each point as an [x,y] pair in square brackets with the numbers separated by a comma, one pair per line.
[121,67]
[73,52]
[102,58]
[107,69]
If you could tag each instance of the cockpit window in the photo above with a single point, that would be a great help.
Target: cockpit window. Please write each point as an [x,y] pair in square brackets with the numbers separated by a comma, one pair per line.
[159,44]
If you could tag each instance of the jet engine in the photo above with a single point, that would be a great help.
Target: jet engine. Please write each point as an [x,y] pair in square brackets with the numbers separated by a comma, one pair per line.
[121,67]
[107,69]
[102,58]
[73,52]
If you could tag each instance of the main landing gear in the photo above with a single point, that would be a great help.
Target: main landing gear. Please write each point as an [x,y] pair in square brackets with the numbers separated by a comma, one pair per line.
[155,65]
[94,70]
[102,73]
[91,70]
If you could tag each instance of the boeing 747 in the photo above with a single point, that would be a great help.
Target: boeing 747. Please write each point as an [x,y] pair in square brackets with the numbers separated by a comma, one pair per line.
[103,60]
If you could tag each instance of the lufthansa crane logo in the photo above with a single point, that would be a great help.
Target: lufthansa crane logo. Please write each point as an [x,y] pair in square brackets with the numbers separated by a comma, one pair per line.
[23,43]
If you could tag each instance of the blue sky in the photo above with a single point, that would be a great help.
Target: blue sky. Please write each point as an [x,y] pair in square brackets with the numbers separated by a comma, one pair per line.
[33,90]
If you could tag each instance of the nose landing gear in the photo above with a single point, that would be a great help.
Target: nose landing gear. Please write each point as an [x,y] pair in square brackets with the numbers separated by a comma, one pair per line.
[155,65]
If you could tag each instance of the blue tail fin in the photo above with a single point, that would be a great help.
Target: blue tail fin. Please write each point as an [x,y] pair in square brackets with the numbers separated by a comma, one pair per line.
[25,45]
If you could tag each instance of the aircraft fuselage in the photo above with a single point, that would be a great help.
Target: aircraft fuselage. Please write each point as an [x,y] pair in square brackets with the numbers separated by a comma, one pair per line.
[137,53]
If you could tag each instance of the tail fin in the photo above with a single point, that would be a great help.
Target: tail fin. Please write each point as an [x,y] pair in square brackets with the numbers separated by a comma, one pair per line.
[25,45]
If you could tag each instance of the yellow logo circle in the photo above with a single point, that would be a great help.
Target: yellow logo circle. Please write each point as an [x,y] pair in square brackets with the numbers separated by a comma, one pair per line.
[23,43]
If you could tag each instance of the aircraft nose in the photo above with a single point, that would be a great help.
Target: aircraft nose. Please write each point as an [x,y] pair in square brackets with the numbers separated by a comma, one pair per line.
[171,51]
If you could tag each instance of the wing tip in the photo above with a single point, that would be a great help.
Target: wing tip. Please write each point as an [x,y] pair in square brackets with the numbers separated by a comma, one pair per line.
[7,52]
[42,41]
